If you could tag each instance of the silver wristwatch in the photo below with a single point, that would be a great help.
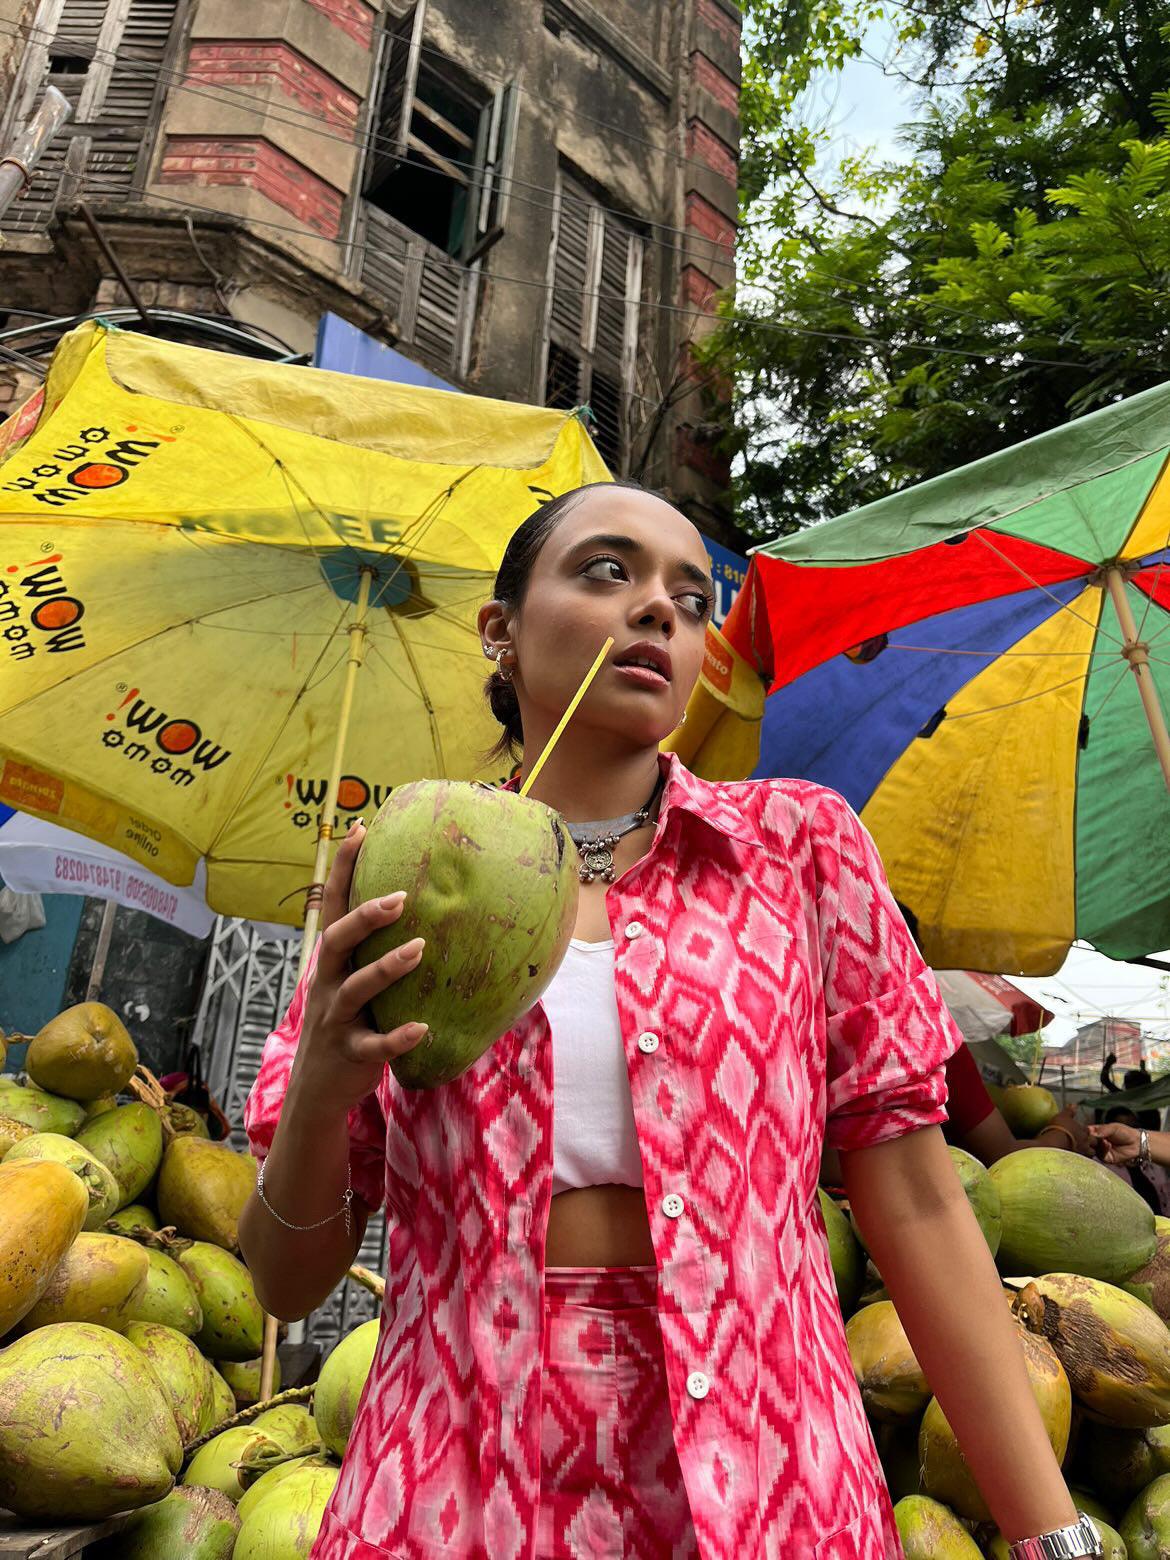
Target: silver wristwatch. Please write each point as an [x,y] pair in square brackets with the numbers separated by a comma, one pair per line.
[1143,1154]
[1061,1544]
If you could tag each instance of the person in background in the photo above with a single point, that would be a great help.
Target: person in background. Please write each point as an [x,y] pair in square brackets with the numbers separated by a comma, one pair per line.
[1148,1178]
[1123,1142]
[1135,1078]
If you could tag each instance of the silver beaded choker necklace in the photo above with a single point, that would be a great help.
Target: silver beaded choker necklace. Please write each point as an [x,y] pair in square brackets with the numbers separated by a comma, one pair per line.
[595,841]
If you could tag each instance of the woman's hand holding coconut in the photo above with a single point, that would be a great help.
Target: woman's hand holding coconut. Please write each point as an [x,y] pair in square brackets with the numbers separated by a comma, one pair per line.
[339,1062]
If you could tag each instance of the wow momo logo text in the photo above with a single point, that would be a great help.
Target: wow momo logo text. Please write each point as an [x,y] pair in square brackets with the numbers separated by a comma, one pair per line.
[99,459]
[38,611]
[170,746]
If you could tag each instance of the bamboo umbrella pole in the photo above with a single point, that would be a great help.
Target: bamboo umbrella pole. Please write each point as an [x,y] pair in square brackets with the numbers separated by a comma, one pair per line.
[316,891]
[1137,653]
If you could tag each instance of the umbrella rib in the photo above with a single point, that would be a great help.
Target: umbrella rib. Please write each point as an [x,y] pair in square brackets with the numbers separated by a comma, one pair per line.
[245,787]
[436,741]
[1036,585]
[1026,698]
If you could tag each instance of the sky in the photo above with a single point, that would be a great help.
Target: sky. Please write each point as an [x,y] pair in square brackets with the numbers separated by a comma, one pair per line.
[863,108]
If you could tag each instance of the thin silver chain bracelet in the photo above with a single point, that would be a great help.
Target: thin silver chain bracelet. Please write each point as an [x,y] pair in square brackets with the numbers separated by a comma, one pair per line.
[346,1201]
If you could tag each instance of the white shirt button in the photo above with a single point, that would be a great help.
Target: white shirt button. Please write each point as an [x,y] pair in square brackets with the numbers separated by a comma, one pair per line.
[648,1043]
[672,1205]
[697,1384]
[635,929]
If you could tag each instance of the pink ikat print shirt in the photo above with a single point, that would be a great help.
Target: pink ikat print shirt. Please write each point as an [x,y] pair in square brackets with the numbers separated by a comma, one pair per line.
[758,941]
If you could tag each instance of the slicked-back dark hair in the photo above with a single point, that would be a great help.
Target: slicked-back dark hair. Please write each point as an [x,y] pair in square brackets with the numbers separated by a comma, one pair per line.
[523,549]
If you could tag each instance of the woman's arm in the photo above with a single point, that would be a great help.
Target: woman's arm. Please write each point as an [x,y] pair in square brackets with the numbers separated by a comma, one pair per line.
[339,1062]
[931,1253]
[305,1179]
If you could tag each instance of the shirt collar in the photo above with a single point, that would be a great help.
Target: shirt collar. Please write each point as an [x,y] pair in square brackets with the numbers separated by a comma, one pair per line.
[711,802]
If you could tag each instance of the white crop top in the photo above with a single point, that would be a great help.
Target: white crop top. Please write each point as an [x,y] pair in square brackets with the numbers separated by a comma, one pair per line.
[595,1141]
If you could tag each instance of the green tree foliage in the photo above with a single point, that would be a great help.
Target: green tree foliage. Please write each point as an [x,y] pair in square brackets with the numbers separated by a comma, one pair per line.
[1011,270]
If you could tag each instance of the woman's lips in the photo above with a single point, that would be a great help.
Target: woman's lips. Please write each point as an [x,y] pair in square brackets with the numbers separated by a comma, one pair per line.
[643,676]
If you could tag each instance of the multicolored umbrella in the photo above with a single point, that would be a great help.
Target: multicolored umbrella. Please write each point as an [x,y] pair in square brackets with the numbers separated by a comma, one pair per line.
[238,601]
[960,661]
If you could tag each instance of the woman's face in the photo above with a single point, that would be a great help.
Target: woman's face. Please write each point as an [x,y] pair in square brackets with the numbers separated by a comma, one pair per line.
[625,564]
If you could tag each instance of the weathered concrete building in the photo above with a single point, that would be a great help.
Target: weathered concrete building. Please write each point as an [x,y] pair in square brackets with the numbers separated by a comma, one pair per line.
[534,199]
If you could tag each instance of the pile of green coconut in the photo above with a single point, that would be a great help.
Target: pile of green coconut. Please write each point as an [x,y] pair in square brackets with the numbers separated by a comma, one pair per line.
[130,1332]
[1086,1273]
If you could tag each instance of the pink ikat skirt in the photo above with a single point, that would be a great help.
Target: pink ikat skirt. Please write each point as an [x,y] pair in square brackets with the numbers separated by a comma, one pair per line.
[611,1486]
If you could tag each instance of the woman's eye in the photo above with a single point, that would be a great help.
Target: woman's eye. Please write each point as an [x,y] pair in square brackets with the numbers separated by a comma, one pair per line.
[702,602]
[615,565]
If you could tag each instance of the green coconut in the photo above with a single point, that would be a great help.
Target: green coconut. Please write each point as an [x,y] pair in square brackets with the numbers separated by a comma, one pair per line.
[100,1186]
[491,883]
[982,1194]
[1145,1528]
[893,1386]
[38,1109]
[100,1106]
[1027,1108]
[233,1323]
[222,1405]
[291,1426]
[1120,1463]
[134,1216]
[243,1377]
[945,1473]
[97,1280]
[284,1525]
[84,1428]
[202,1189]
[183,1373]
[190,1524]
[1063,1213]
[214,1465]
[1084,1501]
[129,1142]
[340,1385]
[168,1296]
[1151,1283]
[845,1253]
[929,1531]
[83,1053]
[11,1132]
[186,1122]
[267,1482]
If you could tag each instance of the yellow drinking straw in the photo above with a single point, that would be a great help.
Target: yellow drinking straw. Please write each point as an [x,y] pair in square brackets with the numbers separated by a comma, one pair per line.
[573,703]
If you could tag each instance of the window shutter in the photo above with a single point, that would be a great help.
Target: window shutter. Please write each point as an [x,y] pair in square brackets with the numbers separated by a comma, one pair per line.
[128,108]
[571,266]
[491,184]
[108,58]
[395,95]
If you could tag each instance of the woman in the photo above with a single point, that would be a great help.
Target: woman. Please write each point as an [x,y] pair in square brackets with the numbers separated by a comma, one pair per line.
[1148,1179]
[651,1362]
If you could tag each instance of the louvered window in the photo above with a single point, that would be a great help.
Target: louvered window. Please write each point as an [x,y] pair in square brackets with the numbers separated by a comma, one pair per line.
[111,60]
[593,316]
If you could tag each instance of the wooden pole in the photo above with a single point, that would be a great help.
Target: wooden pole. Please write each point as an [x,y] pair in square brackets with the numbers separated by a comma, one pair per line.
[1137,653]
[97,970]
[316,891]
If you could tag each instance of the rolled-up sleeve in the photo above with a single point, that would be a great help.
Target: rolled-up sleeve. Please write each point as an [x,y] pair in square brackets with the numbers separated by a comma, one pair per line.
[889,1032]
[367,1124]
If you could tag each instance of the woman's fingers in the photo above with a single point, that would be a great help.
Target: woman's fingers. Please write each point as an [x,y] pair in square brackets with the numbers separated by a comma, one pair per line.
[339,940]
[336,900]
[367,1047]
[367,983]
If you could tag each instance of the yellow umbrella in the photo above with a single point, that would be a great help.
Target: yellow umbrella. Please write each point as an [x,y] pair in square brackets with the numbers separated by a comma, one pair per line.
[237,600]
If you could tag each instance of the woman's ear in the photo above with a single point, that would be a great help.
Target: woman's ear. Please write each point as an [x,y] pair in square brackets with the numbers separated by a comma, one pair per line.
[494,628]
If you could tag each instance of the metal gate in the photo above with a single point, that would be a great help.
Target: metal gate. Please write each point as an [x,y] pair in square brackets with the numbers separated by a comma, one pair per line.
[248,983]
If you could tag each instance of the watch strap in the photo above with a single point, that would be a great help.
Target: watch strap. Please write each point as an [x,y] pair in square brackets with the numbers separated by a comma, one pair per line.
[1066,1543]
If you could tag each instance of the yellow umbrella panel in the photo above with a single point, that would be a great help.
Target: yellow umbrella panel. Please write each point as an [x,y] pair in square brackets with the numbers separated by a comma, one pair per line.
[183,541]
